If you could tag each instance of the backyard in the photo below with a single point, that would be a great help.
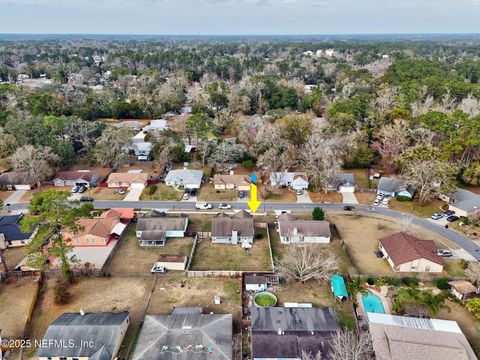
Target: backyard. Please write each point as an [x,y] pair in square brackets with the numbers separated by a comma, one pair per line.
[210,256]
[13,256]
[133,258]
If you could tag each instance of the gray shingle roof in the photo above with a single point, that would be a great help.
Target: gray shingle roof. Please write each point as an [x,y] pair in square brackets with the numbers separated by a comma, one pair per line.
[305,228]
[465,200]
[185,176]
[391,184]
[161,224]
[102,329]
[223,225]
[185,336]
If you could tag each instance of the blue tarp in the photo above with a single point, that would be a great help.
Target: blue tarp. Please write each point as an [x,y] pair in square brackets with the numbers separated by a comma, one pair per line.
[338,286]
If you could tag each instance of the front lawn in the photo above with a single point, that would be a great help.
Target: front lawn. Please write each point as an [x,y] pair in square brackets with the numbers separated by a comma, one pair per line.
[103,193]
[414,208]
[162,193]
[454,267]
[208,193]
[326,197]
[277,195]
[210,256]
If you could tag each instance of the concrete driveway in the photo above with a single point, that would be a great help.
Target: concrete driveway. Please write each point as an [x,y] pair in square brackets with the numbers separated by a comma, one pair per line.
[133,194]
[15,197]
[349,198]
[304,198]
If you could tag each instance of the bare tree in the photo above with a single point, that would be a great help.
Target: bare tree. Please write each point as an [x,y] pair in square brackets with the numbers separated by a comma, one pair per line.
[404,224]
[347,345]
[392,140]
[36,163]
[470,105]
[310,356]
[225,152]
[305,262]
[112,146]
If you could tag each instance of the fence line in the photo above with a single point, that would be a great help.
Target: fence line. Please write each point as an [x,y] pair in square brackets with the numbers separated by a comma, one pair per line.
[192,252]
[222,273]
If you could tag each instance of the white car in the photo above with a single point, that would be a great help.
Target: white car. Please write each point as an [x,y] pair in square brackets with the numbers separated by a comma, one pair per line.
[203,206]
[436,216]
[158,270]
[224,206]
[186,196]
[385,201]
[379,197]
[376,202]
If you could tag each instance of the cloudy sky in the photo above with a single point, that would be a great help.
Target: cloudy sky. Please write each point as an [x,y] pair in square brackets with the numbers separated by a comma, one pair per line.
[239,16]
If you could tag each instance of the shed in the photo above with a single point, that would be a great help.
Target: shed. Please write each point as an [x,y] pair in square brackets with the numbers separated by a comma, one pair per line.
[256,283]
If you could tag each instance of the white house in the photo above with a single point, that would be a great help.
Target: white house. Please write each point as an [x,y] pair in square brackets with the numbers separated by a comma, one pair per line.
[189,179]
[154,231]
[393,187]
[293,231]
[85,178]
[294,180]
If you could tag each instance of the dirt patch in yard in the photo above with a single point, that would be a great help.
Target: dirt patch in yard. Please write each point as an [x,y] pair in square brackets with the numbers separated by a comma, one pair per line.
[133,258]
[16,298]
[13,256]
[325,197]
[210,256]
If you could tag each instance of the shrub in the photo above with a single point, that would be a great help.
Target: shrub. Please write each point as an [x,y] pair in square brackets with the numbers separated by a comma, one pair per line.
[151,189]
[410,280]
[371,281]
[442,283]
[464,264]
[402,198]
[392,281]
[248,164]
[318,214]
[465,220]
[61,294]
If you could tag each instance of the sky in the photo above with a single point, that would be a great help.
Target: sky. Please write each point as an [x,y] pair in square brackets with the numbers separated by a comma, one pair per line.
[239,17]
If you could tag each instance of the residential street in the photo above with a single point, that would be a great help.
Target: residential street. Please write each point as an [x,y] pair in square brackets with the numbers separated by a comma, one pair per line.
[462,241]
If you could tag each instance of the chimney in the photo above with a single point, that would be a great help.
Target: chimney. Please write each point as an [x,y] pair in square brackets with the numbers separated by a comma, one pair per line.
[82,313]
[234,236]
[280,331]
[295,231]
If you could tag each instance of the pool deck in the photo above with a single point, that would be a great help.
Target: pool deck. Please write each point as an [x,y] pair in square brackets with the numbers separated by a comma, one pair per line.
[381,292]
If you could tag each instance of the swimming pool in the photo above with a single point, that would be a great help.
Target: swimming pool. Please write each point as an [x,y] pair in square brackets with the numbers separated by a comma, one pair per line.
[372,303]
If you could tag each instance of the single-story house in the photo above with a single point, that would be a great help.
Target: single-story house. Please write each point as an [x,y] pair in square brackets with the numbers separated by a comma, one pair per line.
[15,181]
[463,290]
[130,179]
[154,231]
[11,234]
[393,187]
[463,202]
[293,231]
[406,338]
[294,180]
[256,283]
[189,179]
[347,183]
[237,182]
[236,229]
[156,125]
[287,333]
[85,178]
[172,262]
[97,231]
[186,334]
[142,150]
[100,334]
[406,253]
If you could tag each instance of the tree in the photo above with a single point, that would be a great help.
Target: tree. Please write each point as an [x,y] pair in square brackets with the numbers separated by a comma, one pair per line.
[112,146]
[198,125]
[318,214]
[50,213]
[310,356]
[35,162]
[296,128]
[305,262]
[391,142]
[347,345]
[471,175]
[473,306]
[224,153]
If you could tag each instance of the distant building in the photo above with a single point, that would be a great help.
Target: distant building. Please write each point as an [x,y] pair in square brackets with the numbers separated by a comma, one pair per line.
[156,125]
[294,231]
[463,202]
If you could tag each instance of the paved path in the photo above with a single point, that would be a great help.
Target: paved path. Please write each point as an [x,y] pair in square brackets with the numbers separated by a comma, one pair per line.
[15,197]
[465,243]
[349,198]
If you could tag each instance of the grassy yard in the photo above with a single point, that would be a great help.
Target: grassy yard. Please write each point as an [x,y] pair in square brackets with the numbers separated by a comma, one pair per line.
[101,193]
[454,267]
[133,258]
[467,322]
[277,195]
[13,256]
[16,297]
[210,256]
[208,193]
[414,208]
[366,198]
[329,197]
[360,176]
[96,294]
[163,193]
[179,291]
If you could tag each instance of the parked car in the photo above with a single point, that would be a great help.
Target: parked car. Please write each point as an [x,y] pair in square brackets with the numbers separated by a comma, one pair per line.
[385,201]
[224,206]
[82,189]
[444,253]
[349,208]
[436,216]
[299,192]
[86,199]
[377,175]
[120,191]
[241,194]
[75,188]
[158,270]
[203,206]
[193,192]
[376,202]
[452,218]
[448,212]
[379,197]
[186,196]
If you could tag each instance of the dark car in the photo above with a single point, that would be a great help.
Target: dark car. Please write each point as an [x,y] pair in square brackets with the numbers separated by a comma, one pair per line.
[193,192]
[452,218]
[241,194]
[86,199]
[448,213]
[348,208]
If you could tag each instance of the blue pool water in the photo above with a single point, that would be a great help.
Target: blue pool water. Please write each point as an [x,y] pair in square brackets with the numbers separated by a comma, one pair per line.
[372,303]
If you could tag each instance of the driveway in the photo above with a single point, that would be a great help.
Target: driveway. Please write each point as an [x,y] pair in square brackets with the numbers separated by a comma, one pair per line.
[133,194]
[15,197]
[304,198]
[349,198]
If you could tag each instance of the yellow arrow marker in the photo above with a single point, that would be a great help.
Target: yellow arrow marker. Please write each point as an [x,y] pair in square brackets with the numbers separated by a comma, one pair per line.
[253,203]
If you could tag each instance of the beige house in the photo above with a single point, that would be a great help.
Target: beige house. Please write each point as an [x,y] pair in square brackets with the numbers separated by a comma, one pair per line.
[294,231]
[406,253]
[172,262]
[237,182]
[133,179]
[463,290]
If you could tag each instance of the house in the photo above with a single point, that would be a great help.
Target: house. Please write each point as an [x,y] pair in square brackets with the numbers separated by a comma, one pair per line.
[142,150]
[189,179]
[15,181]
[463,202]
[96,231]
[131,179]
[85,178]
[86,336]
[236,229]
[294,180]
[129,124]
[237,182]
[346,183]
[286,333]
[293,231]
[156,125]
[154,231]
[393,187]
[406,253]
[185,334]
[255,283]
[406,338]
[463,290]
[172,262]
[10,233]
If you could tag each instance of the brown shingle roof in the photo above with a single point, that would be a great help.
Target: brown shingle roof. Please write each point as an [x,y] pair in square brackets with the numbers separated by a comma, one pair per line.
[223,225]
[75,175]
[128,178]
[403,248]
[14,178]
[220,179]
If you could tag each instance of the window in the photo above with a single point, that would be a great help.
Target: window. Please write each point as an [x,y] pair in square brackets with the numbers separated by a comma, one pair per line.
[427,268]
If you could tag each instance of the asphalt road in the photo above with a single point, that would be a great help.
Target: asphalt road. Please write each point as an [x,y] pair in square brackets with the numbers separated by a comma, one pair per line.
[462,241]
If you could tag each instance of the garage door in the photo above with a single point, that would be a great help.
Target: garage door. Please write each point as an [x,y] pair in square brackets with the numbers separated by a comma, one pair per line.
[137,186]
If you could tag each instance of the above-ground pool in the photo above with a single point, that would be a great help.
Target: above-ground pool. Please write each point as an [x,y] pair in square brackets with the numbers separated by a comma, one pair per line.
[372,303]
[265,299]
